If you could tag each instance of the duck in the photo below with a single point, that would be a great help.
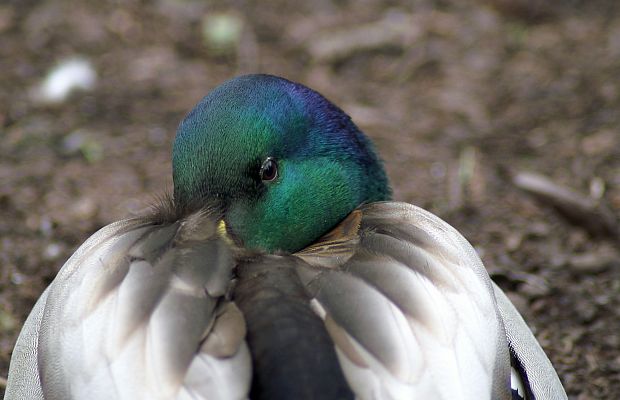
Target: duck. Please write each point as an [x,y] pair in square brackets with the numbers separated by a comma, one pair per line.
[278,268]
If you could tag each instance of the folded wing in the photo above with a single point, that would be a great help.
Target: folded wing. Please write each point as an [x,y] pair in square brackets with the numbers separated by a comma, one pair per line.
[412,312]
[138,312]
[528,358]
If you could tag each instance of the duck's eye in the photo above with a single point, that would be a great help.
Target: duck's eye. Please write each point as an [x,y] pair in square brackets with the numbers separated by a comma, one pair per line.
[269,170]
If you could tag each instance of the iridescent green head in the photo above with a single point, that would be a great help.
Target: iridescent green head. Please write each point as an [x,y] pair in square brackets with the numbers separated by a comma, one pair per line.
[283,163]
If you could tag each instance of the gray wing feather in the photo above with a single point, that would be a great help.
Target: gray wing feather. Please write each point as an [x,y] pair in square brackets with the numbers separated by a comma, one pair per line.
[412,313]
[139,312]
[541,376]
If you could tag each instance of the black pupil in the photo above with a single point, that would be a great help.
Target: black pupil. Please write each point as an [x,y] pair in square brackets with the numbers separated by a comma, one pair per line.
[269,170]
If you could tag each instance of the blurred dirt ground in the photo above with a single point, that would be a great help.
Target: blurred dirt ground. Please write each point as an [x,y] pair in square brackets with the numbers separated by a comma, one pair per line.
[459,96]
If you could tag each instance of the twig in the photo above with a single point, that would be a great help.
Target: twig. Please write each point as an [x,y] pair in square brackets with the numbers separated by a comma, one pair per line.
[393,30]
[592,215]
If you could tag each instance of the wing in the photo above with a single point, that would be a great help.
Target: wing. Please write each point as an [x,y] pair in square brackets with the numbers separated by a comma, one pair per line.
[530,361]
[412,311]
[138,312]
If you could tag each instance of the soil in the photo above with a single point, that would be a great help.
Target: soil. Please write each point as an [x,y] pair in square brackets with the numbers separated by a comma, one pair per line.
[458,95]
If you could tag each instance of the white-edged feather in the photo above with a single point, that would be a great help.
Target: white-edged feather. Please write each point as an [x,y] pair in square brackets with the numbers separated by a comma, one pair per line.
[129,316]
[412,313]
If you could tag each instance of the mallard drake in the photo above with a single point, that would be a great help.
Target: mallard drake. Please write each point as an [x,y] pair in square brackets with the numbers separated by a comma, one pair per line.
[278,269]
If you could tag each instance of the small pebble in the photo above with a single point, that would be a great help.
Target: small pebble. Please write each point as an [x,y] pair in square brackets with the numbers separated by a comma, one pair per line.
[17,278]
[72,143]
[539,229]
[7,321]
[585,311]
[82,142]
[513,241]
[84,208]
[52,251]
[222,32]
[46,226]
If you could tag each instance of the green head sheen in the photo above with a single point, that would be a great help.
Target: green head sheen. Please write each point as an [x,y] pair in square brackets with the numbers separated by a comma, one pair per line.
[283,163]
